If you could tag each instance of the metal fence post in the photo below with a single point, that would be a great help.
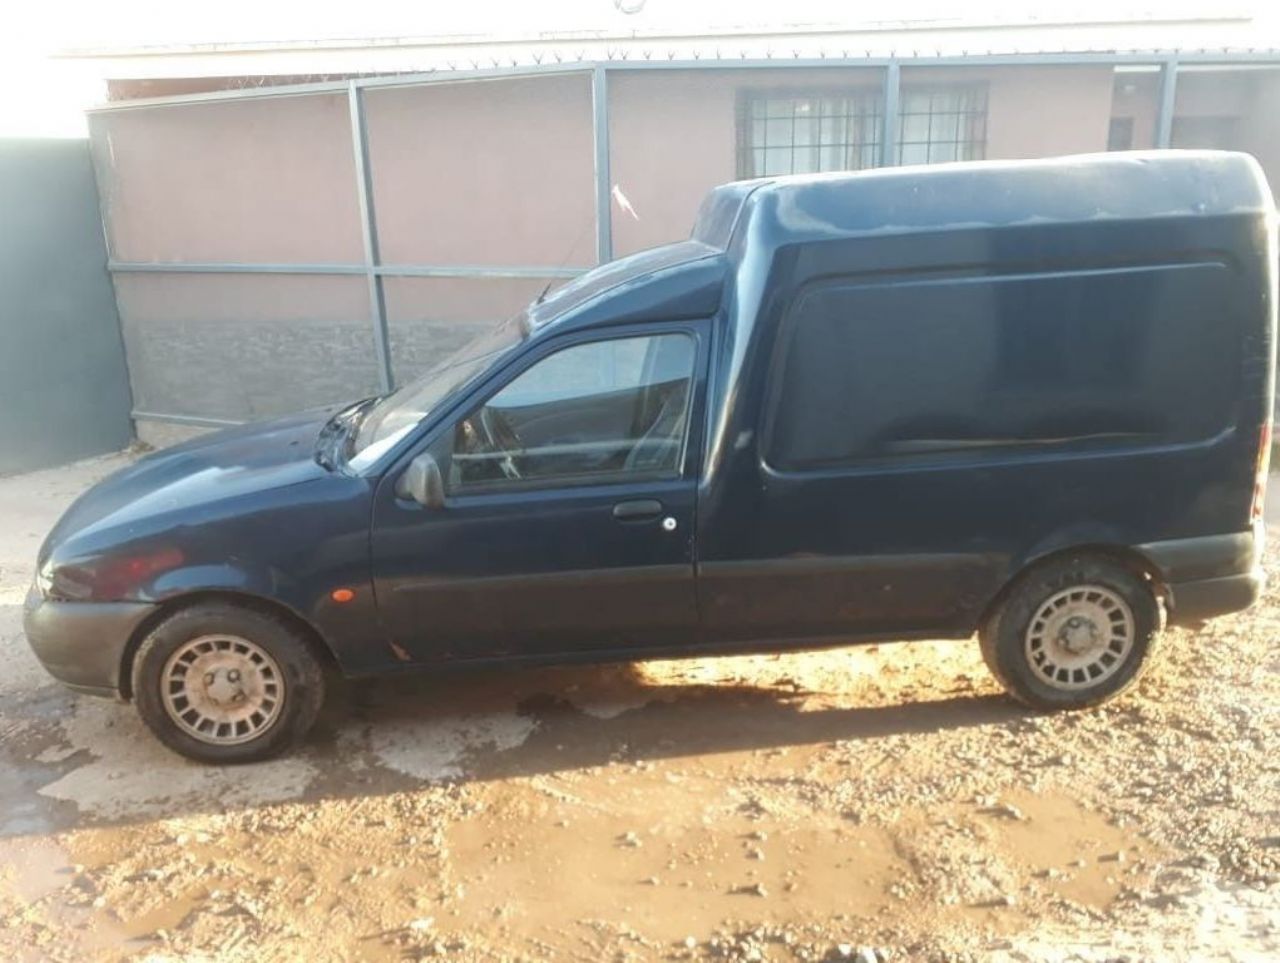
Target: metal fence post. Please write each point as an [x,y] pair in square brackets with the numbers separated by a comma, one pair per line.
[889,118]
[604,181]
[1168,101]
[369,229]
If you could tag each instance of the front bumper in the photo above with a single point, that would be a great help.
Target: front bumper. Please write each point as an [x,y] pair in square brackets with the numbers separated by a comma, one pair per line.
[81,644]
[1211,575]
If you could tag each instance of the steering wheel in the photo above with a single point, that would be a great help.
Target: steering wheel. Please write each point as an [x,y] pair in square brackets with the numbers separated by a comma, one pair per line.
[502,437]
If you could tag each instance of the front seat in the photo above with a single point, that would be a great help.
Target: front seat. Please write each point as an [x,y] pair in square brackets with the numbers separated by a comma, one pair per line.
[659,446]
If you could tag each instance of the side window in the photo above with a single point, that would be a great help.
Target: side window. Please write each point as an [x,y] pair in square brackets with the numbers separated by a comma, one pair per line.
[1073,361]
[595,412]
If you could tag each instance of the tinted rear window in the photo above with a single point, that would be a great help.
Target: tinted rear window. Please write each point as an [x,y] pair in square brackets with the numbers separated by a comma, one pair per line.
[1131,356]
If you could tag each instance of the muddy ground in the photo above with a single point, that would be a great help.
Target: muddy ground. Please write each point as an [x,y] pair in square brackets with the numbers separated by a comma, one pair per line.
[882,803]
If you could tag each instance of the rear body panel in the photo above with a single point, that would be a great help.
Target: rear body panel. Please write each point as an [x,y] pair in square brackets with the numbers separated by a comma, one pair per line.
[1104,256]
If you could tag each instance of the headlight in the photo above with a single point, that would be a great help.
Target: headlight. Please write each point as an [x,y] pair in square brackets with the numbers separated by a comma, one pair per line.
[109,578]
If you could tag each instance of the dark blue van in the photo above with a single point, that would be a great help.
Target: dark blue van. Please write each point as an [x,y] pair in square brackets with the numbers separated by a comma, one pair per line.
[1029,400]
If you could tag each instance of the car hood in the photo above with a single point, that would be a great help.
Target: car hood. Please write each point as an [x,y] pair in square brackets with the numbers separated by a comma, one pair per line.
[211,469]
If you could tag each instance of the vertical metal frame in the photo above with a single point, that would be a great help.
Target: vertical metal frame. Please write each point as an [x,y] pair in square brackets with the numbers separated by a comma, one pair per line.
[604,180]
[889,114]
[1168,102]
[369,230]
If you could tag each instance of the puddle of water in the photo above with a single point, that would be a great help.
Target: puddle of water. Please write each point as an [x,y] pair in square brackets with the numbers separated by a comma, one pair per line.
[663,852]
[38,872]
[33,868]
[533,880]
[695,868]
[1088,858]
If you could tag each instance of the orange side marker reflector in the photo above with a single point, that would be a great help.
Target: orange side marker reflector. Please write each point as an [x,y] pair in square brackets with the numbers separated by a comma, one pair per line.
[342,595]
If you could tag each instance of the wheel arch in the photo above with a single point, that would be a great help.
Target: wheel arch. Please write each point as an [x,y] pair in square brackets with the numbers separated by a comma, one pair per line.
[315,641]
[1132,559]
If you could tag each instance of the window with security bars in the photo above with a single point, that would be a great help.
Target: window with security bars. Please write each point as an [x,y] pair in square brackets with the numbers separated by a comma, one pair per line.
[799,132]
[937,124]
[808,132]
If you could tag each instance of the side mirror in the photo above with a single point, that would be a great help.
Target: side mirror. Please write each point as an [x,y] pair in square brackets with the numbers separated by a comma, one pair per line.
[422,482]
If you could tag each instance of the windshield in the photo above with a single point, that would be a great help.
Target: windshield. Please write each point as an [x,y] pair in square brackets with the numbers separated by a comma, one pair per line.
[393,416]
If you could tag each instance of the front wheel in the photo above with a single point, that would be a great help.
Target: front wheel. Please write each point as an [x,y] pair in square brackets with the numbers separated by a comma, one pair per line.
[1072,633]
[223,683]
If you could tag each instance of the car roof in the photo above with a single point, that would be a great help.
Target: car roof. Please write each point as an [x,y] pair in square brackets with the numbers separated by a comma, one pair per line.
[1127,185]
[684,279]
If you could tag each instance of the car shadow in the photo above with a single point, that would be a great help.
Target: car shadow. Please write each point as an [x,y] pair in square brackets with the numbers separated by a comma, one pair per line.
[586,716]
[409,732]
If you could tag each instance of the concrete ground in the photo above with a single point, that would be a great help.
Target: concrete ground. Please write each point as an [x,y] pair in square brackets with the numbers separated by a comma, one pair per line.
[876,803]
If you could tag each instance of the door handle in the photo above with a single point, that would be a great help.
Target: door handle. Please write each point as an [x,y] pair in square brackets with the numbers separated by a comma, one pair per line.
[637,510]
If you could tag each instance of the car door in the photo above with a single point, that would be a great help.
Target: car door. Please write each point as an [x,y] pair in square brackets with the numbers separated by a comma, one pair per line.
[568,513]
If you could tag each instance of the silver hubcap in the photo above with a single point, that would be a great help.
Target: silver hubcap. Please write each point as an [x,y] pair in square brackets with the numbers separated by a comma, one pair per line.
[222,689]
[1080,637]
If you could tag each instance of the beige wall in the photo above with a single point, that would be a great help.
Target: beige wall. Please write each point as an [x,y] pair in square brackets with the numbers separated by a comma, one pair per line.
[1249,99]
[1213,93]
[1137,96]
[673,133]
[673,137]
[1260,130]
[1019,122]
[492,172]
[501,172]
[428,318]
[265,180]
[1045,111]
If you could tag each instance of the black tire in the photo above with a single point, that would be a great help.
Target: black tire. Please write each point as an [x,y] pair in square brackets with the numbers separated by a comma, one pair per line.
[301,673]
[1004,635]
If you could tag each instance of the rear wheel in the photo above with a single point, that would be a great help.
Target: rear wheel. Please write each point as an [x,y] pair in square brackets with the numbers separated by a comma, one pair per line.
[1072,633]
[220,682]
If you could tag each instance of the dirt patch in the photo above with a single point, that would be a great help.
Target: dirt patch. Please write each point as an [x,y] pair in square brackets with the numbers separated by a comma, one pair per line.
[869,804]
